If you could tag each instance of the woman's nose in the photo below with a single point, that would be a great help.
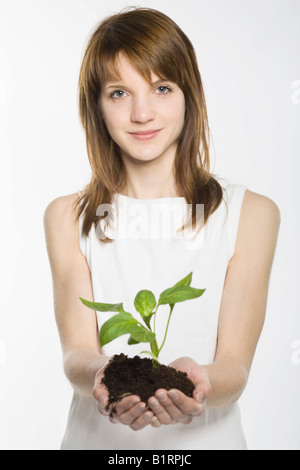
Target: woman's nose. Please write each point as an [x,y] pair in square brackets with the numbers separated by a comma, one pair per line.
[142,110]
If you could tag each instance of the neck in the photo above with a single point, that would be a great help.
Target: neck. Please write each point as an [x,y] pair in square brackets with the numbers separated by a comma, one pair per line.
[150,180]
[149,189]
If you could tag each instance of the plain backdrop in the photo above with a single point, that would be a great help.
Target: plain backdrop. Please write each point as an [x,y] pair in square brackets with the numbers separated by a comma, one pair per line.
[248,53]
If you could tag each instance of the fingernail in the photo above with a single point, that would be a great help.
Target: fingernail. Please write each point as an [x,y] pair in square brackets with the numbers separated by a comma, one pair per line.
[99,408]
[147,416]
[134,402]
[154,403]
[162,396]
[174,395]
[102,409]
[142,407]
[155,422]
[199,397]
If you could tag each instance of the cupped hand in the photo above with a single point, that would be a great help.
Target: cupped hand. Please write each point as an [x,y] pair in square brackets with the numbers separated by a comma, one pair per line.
[173,406]
[130,410]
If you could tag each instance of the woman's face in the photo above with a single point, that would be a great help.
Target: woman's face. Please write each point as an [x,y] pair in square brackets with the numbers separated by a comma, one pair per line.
[144,120]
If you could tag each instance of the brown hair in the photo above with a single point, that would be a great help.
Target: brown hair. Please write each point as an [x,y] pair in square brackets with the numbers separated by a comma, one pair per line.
[152,42]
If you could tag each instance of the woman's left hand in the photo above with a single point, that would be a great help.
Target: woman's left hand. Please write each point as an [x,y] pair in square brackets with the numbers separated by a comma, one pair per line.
[173,406]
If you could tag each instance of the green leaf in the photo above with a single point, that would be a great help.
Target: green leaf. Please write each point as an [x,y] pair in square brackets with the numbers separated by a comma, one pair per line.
[132,341]
[145,302]
[179,294]
[186,281]
[150,354]
[116,326]
[147,319]
[99,307]
[140,334]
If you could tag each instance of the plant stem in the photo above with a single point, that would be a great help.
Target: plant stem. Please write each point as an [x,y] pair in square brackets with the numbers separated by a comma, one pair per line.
[154,319]
[143,326]
[167,327]
[154,349]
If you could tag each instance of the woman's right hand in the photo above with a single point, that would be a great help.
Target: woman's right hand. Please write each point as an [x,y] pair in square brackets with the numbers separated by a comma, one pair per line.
[130,411]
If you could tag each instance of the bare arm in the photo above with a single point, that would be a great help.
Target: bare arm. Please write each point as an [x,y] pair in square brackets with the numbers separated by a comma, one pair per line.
[244,299]
[77,324]
[242,315]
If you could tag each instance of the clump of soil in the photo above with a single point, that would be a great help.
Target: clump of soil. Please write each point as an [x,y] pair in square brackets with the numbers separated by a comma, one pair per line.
[137,376]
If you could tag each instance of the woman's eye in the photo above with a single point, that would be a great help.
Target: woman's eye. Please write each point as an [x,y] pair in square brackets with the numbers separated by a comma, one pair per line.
[163,90]
[117,94]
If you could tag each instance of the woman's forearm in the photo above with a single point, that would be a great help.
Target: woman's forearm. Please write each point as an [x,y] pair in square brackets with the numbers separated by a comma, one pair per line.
[80,367]
[228,378]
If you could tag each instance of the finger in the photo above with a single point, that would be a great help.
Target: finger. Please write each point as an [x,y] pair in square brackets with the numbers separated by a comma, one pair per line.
[187,405]
[155,423]
[202,390]
[159,411]
[103,411]
[169,407]
[100,394]
[143,421]
[126,404]
[186,419]
[198,395]
[132,414]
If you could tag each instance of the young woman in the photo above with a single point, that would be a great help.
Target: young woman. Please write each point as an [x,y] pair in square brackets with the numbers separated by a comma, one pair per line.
[143,110]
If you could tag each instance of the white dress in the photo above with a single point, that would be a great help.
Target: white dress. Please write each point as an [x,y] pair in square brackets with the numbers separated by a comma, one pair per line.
[145,255]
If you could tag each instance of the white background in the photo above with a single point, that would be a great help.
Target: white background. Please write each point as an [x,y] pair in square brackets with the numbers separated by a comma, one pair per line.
[248,53]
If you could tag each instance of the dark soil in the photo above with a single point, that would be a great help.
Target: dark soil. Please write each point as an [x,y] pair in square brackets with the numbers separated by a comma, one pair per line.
[137,376]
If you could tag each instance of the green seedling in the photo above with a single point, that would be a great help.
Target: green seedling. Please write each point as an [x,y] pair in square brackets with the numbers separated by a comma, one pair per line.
[145,303]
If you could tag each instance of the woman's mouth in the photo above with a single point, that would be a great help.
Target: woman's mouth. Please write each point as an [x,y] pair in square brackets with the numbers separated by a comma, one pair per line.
[145,135]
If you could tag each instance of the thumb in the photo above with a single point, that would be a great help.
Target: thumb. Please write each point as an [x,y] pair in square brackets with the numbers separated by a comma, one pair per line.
[202,391]
[198,395]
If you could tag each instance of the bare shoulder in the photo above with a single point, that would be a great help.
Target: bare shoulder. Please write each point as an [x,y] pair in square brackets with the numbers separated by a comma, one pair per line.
[257,205]
[60,209]
[62,232]
[259,221]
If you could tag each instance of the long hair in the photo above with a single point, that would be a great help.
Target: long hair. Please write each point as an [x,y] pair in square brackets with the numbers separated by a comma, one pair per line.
[153,43]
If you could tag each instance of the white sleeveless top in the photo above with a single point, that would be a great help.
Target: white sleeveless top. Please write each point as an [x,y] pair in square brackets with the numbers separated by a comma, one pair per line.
[144,255]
